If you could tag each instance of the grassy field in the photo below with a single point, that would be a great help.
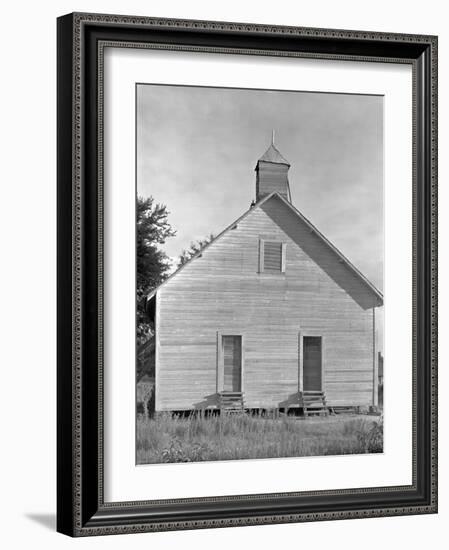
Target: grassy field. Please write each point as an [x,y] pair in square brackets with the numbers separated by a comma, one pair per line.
[178,439]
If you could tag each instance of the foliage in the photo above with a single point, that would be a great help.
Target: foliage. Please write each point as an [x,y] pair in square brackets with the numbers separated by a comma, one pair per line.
[151,402]
[194,248]
[153,229]
[371,439]
[145,393]
[146,358]
[177,452]
[171,438]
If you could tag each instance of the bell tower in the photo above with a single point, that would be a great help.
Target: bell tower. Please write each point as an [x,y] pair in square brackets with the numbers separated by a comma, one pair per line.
[272,173]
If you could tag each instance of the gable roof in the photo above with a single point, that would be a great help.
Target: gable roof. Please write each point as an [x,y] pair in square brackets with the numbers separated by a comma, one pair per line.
[312,228]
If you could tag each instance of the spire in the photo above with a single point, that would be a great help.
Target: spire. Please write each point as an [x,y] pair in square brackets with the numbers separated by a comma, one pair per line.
[272,173]
[273,155]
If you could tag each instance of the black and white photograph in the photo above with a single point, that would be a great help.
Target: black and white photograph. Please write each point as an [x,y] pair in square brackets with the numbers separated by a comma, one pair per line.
[222,286]
[259,273]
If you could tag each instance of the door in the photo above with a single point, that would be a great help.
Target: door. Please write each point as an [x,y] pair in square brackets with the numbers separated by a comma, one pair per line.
[312,361]
[232,363]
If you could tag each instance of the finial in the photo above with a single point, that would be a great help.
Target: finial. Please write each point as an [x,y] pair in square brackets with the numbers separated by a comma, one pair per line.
[272,137]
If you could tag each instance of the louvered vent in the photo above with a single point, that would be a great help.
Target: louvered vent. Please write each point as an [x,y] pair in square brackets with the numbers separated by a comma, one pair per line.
[272,258]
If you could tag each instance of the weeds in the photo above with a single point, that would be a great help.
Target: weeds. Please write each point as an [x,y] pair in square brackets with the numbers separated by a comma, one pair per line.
[371,439]
[170,438]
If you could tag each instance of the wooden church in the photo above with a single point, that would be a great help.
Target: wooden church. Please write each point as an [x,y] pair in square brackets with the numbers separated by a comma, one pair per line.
[269,315]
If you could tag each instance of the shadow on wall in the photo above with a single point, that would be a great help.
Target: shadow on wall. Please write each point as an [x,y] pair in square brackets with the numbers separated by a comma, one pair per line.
[209,401]
[292,399]
[313,245]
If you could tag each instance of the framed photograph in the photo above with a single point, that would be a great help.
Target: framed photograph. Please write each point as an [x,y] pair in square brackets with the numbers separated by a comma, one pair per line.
[247,283]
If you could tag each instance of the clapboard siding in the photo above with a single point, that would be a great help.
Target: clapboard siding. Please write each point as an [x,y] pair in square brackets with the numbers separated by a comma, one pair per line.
[223,292]
[271,177]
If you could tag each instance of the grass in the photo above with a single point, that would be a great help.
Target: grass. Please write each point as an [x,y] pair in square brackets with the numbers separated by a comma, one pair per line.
[170,438]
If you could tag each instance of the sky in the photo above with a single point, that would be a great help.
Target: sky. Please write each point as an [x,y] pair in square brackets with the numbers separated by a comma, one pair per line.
[197,148]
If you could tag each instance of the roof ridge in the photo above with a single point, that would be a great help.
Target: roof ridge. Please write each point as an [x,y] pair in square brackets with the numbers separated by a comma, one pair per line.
[326,241]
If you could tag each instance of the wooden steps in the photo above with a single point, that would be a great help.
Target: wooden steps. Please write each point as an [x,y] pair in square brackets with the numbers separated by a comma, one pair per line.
[231,402]
[345,410]
[314,403]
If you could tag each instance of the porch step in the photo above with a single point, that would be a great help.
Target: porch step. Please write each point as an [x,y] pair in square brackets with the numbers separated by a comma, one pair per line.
[314,403]
[230,402]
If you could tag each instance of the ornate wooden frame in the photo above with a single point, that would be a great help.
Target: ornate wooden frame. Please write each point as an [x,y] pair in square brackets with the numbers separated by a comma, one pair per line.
[81,507]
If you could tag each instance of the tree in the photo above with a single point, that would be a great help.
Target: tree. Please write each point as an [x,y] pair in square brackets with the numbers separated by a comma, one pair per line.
[194,248]
[153,229]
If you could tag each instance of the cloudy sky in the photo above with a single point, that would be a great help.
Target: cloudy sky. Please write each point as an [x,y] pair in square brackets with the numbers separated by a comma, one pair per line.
[197,149]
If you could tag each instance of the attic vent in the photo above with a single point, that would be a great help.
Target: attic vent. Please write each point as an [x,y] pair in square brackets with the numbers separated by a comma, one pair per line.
[272,256]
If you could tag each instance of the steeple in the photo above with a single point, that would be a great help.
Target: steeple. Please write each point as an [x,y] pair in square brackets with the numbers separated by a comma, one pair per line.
[272,173]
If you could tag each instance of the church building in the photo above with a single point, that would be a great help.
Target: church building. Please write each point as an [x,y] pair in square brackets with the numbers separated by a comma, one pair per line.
[269,315]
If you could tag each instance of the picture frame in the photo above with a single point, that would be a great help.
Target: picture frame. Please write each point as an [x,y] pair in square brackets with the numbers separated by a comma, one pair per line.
[81,507]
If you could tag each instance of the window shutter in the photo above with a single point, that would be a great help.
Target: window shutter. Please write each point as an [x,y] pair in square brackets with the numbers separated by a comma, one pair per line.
[261,255]
[272,258]
[283,258]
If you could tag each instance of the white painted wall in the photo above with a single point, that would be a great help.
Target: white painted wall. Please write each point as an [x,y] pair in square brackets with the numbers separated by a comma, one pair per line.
[27,227]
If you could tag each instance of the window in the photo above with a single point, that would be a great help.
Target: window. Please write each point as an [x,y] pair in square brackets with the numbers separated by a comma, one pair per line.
[272,256]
